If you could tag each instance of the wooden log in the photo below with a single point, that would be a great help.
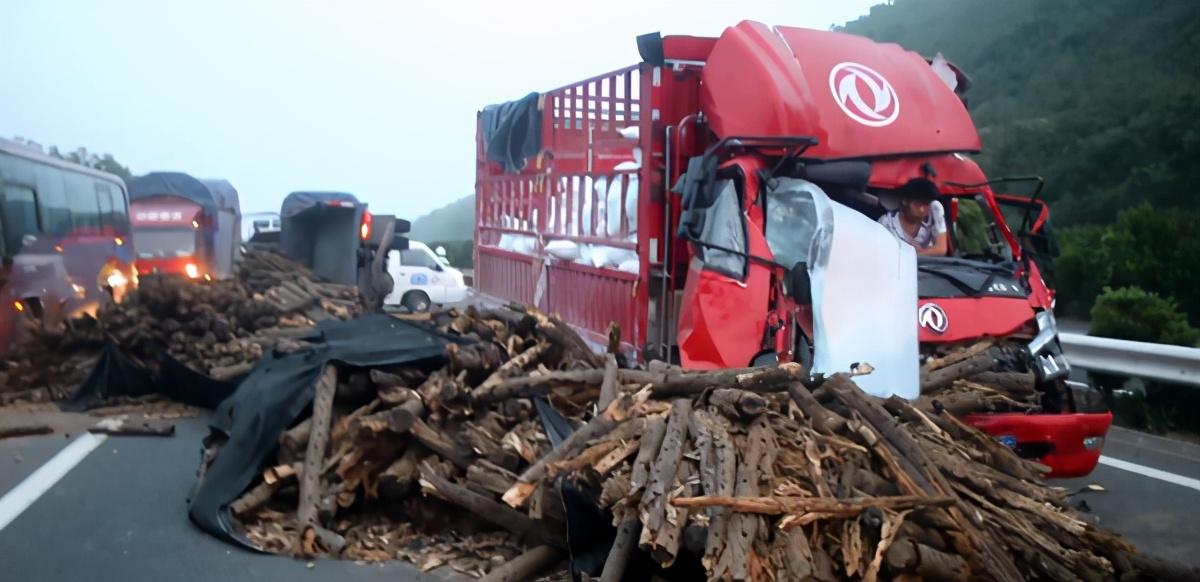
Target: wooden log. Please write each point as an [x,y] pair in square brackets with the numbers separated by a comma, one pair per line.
[509,369]
[621,550]
[598,426]
[910,557]
[443,444]
[958,355]
[314,456]
[653,506]
[734,562]
[724,482]
[397,420]
[738,404]
[665,546]
[648,447]
[126,428]
[25,430]
[261,493]
[293,441]
[670,384]
[487,477]
[397,479]
[496,513]
[944,377]
[823,419]
[784,505]
[1017,385]
[225,373]
[608,386]
[525,566]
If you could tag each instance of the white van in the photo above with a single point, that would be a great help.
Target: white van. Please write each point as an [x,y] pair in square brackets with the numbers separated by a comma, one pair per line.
[421,280]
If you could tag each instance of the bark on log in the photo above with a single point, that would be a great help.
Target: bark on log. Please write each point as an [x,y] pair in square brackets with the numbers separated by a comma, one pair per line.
[125,428]
[663,385]
[784,505]
[489,478]
[662,476]
[397,420]
[25,430]
[823,419]
[957,356]
[492,511]
[225,373]
[1016,384]
[509,369]
[314,457]
[443,444]
[910,557]
[261,493]
[656,429]
[525,566]
[598,426]
[621,550]
[738,404]
[608,386]
[743,529]
[725,479]
[946,376]
[397,479]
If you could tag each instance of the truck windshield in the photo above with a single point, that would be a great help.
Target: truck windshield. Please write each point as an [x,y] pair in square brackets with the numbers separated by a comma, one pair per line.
[163,242]
[976,233]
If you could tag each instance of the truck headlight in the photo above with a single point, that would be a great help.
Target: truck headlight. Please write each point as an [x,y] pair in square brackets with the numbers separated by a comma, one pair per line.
[117,279]
[191,270]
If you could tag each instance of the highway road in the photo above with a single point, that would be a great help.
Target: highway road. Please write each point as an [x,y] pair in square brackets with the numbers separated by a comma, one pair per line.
[79,507]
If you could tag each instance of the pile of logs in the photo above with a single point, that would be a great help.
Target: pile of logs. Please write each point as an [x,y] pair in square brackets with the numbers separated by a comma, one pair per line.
[979,378]
[748,474]
[218,328]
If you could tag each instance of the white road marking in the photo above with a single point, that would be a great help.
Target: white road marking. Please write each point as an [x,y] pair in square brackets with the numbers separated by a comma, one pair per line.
[34,486]
[1151,472]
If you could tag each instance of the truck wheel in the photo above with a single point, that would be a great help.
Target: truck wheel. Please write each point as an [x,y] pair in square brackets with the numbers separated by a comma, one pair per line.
[416,301]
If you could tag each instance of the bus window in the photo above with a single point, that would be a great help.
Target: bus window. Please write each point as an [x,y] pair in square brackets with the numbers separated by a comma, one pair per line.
[18,211]
[81,197]
[104,202]
[52,201]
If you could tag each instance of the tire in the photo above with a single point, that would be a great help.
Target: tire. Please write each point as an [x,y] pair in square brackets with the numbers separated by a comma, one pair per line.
[416,301]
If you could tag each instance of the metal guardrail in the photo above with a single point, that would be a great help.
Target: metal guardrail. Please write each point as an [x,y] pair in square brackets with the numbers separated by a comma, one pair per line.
[1129,358]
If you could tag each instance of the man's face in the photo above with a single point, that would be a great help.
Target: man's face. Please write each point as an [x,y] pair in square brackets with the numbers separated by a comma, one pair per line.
[916,209]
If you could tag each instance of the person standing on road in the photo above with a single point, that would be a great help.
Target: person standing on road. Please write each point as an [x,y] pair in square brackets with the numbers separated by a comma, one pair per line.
[919,220]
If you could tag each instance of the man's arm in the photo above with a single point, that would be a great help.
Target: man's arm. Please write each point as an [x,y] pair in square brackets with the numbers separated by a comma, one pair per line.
[940,246]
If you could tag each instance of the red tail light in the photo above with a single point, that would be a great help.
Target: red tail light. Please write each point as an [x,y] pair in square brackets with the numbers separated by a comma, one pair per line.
[364,230]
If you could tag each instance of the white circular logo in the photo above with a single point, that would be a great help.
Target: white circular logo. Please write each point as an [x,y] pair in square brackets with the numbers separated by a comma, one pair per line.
[931,317]
[864,94]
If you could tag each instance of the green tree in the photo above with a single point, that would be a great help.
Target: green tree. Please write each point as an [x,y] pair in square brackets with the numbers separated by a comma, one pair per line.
[1134,314]
[102,162]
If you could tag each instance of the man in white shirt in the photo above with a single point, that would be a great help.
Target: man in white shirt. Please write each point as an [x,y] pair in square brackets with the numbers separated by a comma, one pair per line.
[919,220]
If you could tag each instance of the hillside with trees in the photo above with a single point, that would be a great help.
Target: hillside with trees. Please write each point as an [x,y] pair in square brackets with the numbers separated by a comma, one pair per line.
[1100,97]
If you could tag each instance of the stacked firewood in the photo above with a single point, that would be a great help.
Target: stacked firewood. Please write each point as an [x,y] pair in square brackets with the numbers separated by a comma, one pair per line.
[747,474]
[218,328]
[979,377]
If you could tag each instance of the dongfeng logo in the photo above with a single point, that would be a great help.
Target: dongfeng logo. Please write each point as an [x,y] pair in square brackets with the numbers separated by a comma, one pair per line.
[864,94]
[932,317]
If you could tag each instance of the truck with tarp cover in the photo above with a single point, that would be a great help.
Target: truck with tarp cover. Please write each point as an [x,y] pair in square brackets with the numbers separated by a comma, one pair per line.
[717,200]
[185,226]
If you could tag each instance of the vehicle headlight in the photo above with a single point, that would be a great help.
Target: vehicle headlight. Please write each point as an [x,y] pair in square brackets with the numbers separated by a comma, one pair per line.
[191,270]
[117,279]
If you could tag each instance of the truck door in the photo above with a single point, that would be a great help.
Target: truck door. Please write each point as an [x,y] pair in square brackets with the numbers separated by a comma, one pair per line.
[1029,220]
[419,271]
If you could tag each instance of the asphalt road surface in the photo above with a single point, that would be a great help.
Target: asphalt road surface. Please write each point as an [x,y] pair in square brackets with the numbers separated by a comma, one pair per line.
[79,507]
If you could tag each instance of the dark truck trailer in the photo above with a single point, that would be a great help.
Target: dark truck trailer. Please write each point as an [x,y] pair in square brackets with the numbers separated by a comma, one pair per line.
[335,235]
[186,226]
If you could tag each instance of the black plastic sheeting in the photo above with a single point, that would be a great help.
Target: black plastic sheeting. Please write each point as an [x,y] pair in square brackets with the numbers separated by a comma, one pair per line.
[117,375]
[512,132]
[279,391]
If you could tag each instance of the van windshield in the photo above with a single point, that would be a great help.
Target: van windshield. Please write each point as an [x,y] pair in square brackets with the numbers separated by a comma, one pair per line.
[152,243]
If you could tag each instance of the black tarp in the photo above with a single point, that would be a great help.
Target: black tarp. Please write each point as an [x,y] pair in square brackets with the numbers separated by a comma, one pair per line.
[278,392]
[512,132]
[116,375]
[209,194]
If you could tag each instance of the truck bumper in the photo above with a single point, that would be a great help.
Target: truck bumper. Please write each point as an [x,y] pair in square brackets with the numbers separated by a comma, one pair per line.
[1069,444]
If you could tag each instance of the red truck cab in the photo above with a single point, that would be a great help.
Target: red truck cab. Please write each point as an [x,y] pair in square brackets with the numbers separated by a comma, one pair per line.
[184,226]
[645,197]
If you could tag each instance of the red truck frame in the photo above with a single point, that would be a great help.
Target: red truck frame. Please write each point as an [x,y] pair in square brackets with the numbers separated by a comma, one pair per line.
[612,147]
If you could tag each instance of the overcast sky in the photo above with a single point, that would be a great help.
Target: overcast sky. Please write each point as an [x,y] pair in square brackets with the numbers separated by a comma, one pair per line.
[375,98]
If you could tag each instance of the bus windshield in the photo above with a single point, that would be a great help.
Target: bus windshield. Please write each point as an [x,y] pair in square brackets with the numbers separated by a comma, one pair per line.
[163,242]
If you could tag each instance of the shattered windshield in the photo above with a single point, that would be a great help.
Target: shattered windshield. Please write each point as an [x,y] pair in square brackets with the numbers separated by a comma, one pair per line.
[976,234]
[164,243]
[791,220]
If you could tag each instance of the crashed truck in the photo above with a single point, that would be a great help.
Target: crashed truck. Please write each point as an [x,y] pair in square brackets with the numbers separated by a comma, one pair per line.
[335,235]
[185,226]
[718,201]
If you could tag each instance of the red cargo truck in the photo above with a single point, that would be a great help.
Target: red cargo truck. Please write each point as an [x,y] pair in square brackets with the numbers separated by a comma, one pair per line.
[592,202]
[185,226]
